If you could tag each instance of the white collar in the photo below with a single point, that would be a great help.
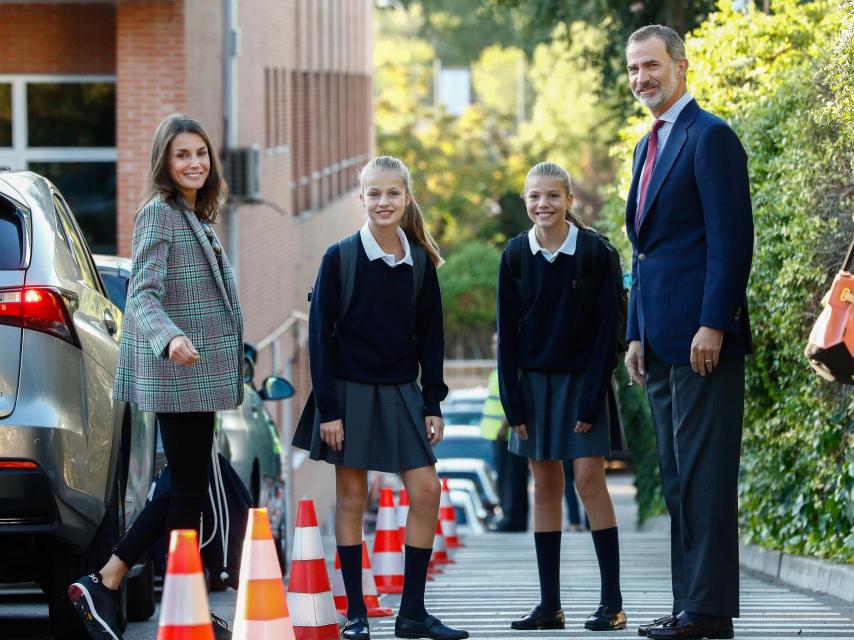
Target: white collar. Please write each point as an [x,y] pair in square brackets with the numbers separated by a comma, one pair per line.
[568,246]
[375,252]
[676,108]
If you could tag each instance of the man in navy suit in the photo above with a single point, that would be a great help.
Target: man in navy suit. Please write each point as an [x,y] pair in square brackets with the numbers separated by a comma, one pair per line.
[689,220]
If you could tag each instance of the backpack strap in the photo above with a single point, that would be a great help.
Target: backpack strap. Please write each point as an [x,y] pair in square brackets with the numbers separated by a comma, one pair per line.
[348,249]
[586,260]
[516,254]
[419,266]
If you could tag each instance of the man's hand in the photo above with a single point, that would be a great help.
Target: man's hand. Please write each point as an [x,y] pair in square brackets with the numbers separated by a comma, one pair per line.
[182,351]
[706,350]
[435,428]
[634,363]
[332,433]
[521,431]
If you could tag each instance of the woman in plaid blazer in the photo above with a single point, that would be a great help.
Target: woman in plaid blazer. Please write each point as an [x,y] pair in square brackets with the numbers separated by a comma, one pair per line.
[181,350]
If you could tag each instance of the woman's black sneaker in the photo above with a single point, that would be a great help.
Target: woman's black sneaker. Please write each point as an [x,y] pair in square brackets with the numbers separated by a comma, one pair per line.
[98,606]
[220,628]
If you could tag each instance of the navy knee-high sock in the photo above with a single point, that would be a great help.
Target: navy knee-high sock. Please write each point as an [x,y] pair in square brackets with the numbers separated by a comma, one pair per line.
[547,544]
[416,561]
[607,545]
[351,570]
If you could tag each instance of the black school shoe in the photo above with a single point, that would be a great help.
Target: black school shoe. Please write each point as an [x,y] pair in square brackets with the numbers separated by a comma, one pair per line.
[603,620]
[98,606]
[432,627]
[538,618]
[356,629]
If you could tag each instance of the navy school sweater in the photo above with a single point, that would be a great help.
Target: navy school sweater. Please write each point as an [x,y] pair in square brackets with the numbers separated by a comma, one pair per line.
[383,337]
[552,332]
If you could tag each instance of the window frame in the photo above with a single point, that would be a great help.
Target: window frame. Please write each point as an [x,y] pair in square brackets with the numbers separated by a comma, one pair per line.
[19,155]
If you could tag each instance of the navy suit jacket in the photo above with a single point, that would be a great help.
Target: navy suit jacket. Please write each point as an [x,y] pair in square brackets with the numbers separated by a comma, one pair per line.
[691,257]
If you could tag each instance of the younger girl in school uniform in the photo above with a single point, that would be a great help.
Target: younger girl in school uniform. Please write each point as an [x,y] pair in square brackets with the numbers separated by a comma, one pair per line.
[555,353]
[376,318]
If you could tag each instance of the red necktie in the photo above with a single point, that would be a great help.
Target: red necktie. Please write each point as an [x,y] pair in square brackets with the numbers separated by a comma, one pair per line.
[648,166]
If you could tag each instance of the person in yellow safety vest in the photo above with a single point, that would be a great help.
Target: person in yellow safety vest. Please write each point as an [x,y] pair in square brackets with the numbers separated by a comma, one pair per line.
[512,470]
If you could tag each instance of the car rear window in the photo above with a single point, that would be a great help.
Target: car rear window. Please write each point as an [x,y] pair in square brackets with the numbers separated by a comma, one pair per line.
[12,237]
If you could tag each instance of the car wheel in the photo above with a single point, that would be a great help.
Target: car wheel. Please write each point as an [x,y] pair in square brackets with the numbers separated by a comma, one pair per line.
[66,567]
[140,594]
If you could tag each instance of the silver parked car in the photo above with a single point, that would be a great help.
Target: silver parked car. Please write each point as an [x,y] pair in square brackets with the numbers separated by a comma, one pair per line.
[247,436]
[75,466]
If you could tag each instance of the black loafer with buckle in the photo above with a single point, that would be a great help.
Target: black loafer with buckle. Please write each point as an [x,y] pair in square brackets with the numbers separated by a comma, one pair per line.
[356,629]
[605,620]
[539,618]
[432,627]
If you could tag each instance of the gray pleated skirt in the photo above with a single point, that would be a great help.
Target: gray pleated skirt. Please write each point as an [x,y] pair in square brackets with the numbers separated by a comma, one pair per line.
[552,402]
[383,428]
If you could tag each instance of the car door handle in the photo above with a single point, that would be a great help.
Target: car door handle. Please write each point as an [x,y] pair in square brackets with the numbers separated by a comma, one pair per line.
[110,322]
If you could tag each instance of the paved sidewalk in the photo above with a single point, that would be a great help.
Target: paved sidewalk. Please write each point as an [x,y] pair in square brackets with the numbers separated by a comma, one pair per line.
[494,580]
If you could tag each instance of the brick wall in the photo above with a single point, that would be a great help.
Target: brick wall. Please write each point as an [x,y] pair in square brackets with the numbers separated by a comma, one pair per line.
[151,84]
[58,39]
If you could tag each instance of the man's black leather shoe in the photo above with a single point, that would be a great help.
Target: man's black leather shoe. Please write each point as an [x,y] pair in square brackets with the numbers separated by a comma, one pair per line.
[644,628]
[432,627]
[537,618]
[603,620]
[356,629]
[693,627]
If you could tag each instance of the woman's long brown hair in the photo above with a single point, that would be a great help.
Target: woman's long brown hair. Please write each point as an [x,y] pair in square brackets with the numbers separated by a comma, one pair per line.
[159,183]
[412,222]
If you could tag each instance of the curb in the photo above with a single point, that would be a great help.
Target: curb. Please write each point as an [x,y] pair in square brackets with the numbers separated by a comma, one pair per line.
[805,573]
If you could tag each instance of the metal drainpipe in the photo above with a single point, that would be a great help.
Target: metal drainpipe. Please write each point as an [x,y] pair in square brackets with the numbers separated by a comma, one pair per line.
[229,94]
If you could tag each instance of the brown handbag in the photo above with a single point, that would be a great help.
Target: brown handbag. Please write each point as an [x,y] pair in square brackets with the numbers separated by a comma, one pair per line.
[830,348]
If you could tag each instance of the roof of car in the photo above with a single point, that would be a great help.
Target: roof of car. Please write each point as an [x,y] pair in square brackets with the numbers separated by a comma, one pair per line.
[462,431]
[460,464]
[472,393]
[112,262]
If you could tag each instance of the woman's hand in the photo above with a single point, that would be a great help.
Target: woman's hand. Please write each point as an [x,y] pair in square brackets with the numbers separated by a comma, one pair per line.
[332,433]
[182,351]
[521,431]
[435,429]
[583,427]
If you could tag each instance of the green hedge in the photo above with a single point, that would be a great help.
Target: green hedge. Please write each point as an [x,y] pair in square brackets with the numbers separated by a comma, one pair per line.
[783,81]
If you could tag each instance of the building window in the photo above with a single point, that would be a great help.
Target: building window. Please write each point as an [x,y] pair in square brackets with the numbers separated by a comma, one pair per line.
[89,189]
[65,114]
[64,128]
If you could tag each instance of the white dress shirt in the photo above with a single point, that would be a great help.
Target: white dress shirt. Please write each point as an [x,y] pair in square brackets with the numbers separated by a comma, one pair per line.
[568,246]
[375,251]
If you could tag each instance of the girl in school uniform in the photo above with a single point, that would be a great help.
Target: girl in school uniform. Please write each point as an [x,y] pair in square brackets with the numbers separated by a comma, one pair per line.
[376,318]
[554,357]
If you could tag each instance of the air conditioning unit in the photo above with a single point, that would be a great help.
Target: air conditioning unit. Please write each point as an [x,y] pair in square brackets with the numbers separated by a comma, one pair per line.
[242,173]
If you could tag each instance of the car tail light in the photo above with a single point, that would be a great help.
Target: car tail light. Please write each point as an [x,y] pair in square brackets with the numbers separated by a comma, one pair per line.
[40,309]
[18,464]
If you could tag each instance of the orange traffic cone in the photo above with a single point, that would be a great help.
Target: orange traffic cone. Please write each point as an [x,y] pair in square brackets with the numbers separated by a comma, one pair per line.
[184,613]
[309,591]
[388,552]
[440,548]
[448,517]
[402,514]
[262,611]
[369,588]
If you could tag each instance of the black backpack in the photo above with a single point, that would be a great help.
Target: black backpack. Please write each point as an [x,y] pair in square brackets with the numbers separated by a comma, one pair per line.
[587,256]
[348,249]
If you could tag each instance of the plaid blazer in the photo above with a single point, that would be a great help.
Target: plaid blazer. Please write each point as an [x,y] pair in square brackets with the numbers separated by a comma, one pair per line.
[176,288]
